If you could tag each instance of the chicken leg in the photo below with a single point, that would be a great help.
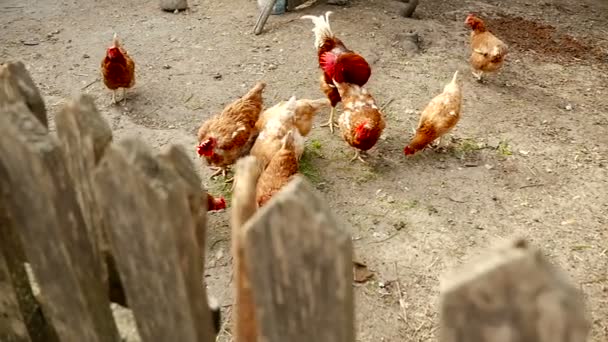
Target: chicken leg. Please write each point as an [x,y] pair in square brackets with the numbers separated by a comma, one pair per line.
[331,123]
[223,171]
[114,96]
[124,96]
[358,156]
[218,170]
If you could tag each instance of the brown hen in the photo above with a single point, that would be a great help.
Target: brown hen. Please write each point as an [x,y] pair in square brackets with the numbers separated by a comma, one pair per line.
[118,69]
[230,135]
[487,52]
[438,118]
[280,170]
[361,123]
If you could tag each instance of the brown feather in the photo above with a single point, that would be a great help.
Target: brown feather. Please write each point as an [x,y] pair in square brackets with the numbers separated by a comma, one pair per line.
[279,171]
[234,128]
[118,73]
[439,117]
[359,109]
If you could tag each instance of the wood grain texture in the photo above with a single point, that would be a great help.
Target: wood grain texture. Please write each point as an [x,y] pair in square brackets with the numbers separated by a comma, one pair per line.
[244,206]
[511,295]
[301,269]
[12,325]
[84,135]
[40,198]
[152,234]
[16,86]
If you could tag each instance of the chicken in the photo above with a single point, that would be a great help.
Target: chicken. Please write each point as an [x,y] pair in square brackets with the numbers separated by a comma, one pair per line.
[305,111]
[487,52]
[215,203]
[438,118]
[337,63]
[280,170]
[361,123]
[230,135]
[275,122]
[118,70]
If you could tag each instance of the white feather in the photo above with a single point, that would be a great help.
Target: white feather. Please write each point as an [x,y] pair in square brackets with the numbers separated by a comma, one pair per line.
[322,29]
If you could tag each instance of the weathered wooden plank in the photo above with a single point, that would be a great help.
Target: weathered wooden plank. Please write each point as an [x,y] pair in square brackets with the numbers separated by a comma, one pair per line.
[84,135]
[244,206]
[16,86]
[12,251]
[176,158]
[513,294]
[12,326]
[153,239]
[300,264]
[40,199]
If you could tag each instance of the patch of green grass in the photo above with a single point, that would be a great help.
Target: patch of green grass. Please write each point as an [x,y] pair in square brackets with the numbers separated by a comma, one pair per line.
[307,165]
[504,148]
[466,147]
[219,187]
[315,145]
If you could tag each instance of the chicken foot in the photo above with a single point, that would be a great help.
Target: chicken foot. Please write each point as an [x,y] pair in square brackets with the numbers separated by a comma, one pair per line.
[219,170]
[331,123]
[478,75]
[223,171]
[358,154]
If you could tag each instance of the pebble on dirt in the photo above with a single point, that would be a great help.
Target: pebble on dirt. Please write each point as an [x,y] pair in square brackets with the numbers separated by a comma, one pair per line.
[172,5]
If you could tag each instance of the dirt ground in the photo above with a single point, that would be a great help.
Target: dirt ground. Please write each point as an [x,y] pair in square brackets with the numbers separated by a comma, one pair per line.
[529,156]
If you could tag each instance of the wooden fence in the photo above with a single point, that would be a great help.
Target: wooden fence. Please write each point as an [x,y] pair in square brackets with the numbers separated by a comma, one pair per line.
[100,221]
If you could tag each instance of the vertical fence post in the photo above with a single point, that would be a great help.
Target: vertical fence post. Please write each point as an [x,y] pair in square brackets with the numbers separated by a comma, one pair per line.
[513,294]
[243,207]
[154,242]
[300,264]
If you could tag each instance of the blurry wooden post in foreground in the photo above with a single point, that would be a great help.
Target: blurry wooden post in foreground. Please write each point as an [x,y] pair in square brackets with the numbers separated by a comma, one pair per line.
[243,207]
[512,295]
[19,309]
[40,199]
[149,203]
[300,265]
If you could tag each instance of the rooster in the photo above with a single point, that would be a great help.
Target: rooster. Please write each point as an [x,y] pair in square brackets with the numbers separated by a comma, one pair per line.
[487,52]
[280,170]
[337,63]
[230,135]
[118,70]
[438,118]
[361,122]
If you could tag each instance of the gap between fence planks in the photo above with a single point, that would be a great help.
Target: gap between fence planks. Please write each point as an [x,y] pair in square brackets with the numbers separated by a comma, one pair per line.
[42,202]
[153,239]
[513,294]
[300,265]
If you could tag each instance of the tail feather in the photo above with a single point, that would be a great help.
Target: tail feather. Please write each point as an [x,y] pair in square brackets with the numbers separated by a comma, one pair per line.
[256,90]
[455,77]
[115,40]
[322,29]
